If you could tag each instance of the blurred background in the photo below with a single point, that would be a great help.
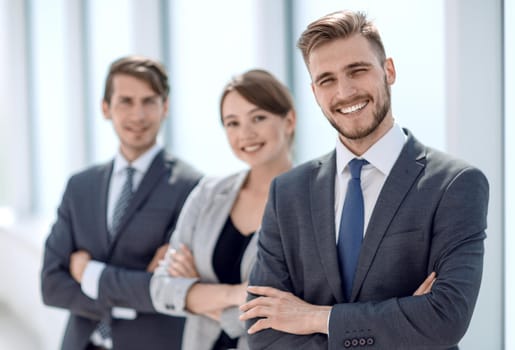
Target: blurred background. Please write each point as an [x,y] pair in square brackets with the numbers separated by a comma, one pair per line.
[455,63]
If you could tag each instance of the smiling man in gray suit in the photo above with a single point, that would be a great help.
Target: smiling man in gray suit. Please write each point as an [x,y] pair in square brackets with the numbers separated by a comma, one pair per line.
[114,218]
[347,238]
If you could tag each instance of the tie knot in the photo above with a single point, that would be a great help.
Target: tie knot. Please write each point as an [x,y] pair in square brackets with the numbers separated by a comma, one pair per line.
[130,172]
[355,166]
[129,179]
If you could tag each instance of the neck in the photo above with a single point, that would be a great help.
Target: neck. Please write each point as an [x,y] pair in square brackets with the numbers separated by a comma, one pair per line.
[361,145]
[260,177]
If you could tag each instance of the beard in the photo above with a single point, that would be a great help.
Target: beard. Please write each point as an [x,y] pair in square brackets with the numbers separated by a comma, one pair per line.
[381,108]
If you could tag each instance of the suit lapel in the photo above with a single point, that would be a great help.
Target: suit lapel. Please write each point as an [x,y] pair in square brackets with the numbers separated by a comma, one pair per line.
[223,201]
[149,181]
[399,182]
[101,228]
[322,215]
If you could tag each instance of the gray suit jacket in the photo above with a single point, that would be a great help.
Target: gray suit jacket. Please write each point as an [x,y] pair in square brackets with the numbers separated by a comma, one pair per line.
[430,216]
[147,224]
[204,214]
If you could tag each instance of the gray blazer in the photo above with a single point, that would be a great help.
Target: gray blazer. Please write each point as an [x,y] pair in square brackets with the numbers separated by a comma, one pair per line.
[82,224]
[430,215]
[199,226]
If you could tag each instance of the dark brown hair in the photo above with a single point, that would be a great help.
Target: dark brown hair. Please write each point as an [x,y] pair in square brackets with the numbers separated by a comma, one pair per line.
[143,68]
[263,90]
[340,25]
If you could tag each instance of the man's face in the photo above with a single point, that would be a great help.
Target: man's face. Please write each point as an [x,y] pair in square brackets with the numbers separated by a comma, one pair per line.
[136,112]
[352,87]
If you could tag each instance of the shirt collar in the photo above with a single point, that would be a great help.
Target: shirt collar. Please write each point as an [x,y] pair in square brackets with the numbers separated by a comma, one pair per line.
[382,154]
[141,164]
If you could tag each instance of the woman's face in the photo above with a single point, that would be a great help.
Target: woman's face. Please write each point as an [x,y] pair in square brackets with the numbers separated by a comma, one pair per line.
[257,137]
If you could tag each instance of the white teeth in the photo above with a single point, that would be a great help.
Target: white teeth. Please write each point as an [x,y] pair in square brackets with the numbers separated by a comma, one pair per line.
[354,108]
[252,148]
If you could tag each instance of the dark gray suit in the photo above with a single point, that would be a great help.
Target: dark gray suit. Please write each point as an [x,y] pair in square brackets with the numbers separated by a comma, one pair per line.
[430,215]
[146,225]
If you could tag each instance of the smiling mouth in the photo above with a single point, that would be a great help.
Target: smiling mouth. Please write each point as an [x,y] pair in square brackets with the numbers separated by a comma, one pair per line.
[137,130]
[354,108]
[252,148]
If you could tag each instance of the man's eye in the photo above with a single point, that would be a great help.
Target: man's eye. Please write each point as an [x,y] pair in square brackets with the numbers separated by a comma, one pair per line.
[325,82]
[358,71]
[151,102]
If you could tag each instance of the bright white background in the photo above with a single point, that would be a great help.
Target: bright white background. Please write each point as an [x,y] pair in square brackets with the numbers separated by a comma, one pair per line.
[451,92]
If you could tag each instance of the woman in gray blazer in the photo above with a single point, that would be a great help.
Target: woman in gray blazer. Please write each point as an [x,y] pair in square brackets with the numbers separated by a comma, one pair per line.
[205,272]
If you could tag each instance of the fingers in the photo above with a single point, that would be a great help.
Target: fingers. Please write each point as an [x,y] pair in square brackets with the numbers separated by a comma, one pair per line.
[81,254]
[426,286]
[182,263]
[255,303]
[259,325]
[186,252]
[265,291]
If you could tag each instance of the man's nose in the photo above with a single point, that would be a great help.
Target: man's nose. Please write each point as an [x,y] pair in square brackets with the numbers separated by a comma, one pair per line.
[138,111]
[345,88]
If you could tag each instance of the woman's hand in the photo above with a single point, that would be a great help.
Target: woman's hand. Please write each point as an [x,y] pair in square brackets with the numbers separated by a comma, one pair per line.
[182,263]
[158,256]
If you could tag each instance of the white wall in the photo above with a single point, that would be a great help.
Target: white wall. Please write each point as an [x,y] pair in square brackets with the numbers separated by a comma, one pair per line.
[448,92]
[509,175]
[474,132]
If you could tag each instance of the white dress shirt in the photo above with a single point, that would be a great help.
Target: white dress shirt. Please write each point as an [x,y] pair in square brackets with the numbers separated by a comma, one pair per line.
[91,275]
[381,157]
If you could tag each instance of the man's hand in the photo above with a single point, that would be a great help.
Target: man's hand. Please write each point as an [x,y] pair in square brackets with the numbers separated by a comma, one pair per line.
[78,262]
[183,263]
[426,286]
[284,312]
[158,256]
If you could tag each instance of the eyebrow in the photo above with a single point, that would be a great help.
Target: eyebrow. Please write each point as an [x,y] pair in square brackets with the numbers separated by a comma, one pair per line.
[147,97]
[232,116]
[354,65]
[358,65]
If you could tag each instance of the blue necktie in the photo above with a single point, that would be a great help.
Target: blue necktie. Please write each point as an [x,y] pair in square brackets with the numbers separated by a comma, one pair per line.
[351,227]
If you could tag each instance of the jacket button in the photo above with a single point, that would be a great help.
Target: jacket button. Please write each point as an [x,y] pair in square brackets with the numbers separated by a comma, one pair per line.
[347,343]
[355,342]
[362,342]
[370,341]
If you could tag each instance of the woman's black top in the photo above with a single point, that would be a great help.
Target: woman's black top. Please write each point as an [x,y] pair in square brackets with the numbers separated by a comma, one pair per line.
[227,258]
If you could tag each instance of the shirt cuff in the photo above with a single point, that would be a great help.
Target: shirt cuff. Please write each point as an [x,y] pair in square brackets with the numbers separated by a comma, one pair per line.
[328,318]
[124,313]
[91,278]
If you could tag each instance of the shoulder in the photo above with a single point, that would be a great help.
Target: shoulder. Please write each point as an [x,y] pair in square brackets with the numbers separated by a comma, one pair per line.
[92,174]
[180,168]
[440,164]
[305,171]
[223,184]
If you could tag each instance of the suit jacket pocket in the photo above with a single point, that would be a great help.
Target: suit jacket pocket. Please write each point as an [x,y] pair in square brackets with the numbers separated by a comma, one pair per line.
[403,237]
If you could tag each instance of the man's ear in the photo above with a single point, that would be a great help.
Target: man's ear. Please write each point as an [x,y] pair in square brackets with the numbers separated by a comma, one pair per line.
[165,107]
[389,69]
[105,110]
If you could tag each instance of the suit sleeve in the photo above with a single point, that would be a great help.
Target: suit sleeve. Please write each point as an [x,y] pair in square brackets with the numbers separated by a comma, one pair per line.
[58,287]
[435,320]
[271,270]
[129,288]
[438,319]
[168,294]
